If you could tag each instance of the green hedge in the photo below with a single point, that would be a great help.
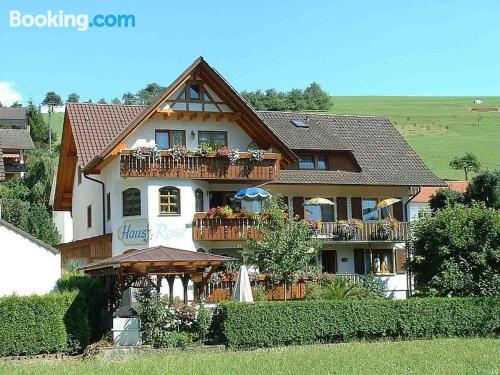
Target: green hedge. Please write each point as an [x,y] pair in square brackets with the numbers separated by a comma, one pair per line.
[93,302]
[34,324]
[266,324]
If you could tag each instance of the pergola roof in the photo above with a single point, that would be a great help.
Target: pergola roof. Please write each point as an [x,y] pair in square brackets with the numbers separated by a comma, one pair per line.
[159,259]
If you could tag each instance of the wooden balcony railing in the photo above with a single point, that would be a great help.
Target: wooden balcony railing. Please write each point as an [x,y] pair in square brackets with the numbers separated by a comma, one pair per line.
[371,231]
[237,228]
[200,167]
[222,290]
[222,229]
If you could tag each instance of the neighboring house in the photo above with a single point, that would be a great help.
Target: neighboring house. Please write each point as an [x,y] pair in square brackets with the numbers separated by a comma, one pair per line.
[420,203]
[15,140]
[30,266]
[120,199]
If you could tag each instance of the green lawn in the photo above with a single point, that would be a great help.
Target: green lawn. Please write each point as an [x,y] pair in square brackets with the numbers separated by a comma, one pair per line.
[438,128]
[445,356]
[57,124]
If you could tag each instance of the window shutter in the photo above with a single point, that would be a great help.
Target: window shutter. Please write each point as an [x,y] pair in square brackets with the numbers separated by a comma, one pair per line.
[400,261]
[359,261]
[341,208]
[397,210]
[298,208]
[357,212]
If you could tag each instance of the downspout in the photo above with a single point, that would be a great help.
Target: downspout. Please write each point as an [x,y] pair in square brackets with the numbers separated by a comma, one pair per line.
[409,201]
[103,188]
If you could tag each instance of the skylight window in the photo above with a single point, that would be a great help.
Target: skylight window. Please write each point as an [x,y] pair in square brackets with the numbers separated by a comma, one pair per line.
[300,123]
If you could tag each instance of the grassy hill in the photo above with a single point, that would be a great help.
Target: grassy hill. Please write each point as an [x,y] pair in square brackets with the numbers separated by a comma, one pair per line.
[438,128]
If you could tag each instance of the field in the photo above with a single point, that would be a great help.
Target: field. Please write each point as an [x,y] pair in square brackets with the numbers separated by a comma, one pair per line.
[445,356]
[438,128]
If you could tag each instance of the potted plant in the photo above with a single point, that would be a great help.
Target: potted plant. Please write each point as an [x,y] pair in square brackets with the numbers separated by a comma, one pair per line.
[178,152]
[204,150]
[256,155]
[384,228]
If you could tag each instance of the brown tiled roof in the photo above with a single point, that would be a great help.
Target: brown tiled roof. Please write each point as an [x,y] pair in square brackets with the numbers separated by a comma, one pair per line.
[95,126]
[2,171]
[156,255]
[18,139]
[428,191]
[383,155]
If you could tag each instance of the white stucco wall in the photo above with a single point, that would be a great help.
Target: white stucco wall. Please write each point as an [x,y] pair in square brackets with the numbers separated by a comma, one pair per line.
[145,135]
[64,224]
[28,267]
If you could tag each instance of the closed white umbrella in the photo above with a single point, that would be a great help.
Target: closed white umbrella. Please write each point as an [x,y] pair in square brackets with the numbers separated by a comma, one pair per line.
[242,289]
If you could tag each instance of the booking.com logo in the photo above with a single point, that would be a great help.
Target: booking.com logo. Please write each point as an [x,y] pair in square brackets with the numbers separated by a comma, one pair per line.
[80,22]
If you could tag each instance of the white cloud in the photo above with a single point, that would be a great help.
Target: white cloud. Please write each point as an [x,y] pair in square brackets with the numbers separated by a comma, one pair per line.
[8,94]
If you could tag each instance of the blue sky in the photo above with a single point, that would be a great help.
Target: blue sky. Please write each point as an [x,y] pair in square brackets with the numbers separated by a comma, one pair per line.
[349,47]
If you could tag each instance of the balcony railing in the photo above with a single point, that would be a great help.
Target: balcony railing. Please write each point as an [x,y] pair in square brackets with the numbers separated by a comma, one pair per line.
[200,167]
[236,228]
[223,229]
[371,231]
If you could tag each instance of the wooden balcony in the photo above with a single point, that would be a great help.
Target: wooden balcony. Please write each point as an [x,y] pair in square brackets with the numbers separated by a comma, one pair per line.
[222,229]
[371,231]
[237,228]
[200,167]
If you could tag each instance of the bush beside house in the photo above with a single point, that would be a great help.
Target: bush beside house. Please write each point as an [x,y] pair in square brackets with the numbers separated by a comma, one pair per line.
[36,324]
[267,324]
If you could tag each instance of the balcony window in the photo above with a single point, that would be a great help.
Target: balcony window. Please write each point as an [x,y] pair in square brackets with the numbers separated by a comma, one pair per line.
[213,138]
[199,201]
[131,202]
[169,201]
[369,210]
[322,213]
[306,162]
[166,139]
[322,163]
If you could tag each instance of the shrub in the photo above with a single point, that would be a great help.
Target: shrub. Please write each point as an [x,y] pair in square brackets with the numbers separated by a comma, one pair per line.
[267,324]
[35,324]
[92,295]
[170,326]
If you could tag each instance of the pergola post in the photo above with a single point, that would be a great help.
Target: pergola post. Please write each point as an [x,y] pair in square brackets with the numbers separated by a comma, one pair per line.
[185,282]
[171,280]
[158,283]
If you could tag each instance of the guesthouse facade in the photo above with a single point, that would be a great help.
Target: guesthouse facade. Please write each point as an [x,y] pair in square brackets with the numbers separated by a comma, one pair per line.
[138,177]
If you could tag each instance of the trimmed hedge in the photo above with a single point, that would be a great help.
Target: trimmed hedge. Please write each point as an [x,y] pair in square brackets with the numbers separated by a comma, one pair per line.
[95,320]
[267,324]
[35,324]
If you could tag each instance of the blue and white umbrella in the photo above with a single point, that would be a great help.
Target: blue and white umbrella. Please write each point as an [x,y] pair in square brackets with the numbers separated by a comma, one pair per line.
[251,194]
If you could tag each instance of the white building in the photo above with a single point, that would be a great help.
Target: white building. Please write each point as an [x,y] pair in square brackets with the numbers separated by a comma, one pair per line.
[123,195]
[30,266]
[419,205]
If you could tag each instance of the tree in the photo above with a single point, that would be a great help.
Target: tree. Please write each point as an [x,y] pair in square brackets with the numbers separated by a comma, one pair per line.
[457,252]
[116,101]
[285,247]
[39,130]
[466,163]
[316,99]
[444,198]
[101,101]
[16,105]
[485,187]
[148,94]
[41,226]
[52,99]
[73,98]
[128,98]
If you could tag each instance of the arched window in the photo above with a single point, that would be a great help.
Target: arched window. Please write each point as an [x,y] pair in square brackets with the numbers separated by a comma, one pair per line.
[170,201]
[131,202]
[199,203]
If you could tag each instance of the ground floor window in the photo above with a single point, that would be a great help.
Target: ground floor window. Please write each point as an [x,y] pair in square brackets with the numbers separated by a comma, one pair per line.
[382,261]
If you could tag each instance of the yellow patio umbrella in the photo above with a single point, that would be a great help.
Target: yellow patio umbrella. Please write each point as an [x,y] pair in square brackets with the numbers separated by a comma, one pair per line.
[386,203]
[318,202]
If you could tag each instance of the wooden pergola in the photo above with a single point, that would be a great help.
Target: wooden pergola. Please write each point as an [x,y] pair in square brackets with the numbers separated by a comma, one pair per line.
[149,267]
